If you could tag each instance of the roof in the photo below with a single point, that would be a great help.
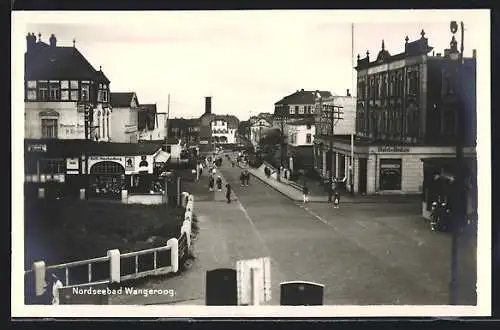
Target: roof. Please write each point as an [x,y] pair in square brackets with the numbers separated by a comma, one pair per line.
[44,62]
[302,97]
[122,99]
[303,121]
[75,148]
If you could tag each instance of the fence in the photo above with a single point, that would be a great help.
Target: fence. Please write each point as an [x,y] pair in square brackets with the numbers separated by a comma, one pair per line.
[116,267]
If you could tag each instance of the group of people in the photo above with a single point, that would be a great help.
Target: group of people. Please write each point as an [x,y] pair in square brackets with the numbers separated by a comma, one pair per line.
[333,192]
[245,178]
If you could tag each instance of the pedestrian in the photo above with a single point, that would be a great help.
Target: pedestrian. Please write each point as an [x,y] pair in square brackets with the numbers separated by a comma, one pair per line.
[336,200]
[242,178]
[51,293]
[305,193]
[228,193]
[247,177]
[219,183]
[232,163]
[211,183]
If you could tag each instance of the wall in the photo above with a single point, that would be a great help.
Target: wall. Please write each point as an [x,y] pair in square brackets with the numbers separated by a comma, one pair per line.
[70,122]
[124,125]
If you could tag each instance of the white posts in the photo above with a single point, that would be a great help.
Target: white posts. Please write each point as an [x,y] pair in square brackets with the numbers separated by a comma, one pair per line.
[82,193]
[41,193]
[39,270]
[124,196]
[173,243]
[114,265]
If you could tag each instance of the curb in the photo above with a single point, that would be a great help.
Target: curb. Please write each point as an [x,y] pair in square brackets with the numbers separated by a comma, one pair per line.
[352,201]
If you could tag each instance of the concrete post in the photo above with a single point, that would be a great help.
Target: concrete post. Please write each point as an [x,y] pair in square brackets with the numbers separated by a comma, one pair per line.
[173,244]
[82,193]
[41,193]
[189,206]
[191,198]
[114,265]
[188,215]
[186,229]
[125,196]
[184,200]
[39,269]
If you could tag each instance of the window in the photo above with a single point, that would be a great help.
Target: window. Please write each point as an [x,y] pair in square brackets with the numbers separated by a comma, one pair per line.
[64,84]
[74,84]
[64,95]
[296,109]
[54,91]
[74,95]
[413,83]
[301,109]
[308,138]
[49,128]
[52,166]
[85,90]
[308,126]
[31,84]
[43,90]
[169,149]
[292,110]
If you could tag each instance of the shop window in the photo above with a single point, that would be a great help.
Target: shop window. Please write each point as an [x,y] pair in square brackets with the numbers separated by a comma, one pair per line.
[390,174]
[54,91]
[52,166]
[104,168]
[308,138]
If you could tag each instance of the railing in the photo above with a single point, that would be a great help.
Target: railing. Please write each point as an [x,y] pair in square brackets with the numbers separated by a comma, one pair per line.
[116,267]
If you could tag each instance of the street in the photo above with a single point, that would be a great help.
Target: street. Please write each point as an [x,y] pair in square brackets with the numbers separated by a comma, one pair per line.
[364,254]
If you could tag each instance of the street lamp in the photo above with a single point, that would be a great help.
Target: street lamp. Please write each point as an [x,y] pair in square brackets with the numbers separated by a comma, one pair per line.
[460,200]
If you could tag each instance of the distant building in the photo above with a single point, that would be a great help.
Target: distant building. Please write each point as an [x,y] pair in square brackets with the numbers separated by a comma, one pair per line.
[323,161]
[151,123]
[257,129]
[300,144]
[125,114]
[61,89]
[187,130]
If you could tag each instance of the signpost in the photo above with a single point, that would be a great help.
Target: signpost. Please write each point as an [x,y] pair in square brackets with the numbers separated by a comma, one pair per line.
[254,281]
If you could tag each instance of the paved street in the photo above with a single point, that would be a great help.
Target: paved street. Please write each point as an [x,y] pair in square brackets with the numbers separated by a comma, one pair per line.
[363,253]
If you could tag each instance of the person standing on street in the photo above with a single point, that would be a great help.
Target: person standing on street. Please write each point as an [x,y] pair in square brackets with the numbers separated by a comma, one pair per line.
[242,178]
[247,178]
[219,183]
[211,183]
[228,193]
[305,193]
[336,200]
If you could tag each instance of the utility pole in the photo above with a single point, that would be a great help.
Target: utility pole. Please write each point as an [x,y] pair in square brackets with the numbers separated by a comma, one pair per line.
[168,118]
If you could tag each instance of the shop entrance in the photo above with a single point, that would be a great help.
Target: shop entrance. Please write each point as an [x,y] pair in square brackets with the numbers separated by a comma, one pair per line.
[107,179]
[390,174]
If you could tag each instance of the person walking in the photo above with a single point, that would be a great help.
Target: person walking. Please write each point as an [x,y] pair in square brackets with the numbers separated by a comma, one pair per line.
[242,178]
[219,183]
[228,193]
[247,178]
[336,200]
[211,183]
[305,193]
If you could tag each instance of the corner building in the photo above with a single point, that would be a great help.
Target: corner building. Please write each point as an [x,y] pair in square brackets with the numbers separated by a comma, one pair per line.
[406,120]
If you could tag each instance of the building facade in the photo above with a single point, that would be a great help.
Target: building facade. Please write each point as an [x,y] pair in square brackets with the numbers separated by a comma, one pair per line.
[333,115]
[151,123]
[222,131]
[257,129]
[65,97]
[186,130]
[406,121]
[300,144]
[125,114]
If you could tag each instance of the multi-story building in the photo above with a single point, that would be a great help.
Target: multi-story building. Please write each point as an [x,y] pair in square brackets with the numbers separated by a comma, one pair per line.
[125,114]
[258,127]
[186,130]
[406,121]
[222,131]
[333,115]
[151,123]
[300,144]
[61,89]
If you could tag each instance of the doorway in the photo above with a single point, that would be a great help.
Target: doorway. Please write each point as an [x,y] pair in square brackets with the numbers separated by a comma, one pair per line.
[362,173]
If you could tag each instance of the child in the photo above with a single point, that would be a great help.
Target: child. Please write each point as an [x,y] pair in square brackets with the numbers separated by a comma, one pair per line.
[336,200]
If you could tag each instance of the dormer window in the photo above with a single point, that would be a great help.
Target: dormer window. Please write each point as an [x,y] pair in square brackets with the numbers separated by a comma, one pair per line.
[31,90]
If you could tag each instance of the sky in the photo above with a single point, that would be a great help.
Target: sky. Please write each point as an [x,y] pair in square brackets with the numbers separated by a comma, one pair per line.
[245,60]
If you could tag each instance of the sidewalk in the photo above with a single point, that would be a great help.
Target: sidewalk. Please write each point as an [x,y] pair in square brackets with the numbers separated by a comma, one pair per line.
[294,191]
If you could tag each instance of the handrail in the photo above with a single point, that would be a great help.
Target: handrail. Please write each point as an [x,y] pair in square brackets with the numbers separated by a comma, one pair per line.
[151,250]
[78,263]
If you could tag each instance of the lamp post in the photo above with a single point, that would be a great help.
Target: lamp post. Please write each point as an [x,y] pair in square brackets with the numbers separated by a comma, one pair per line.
[460,200]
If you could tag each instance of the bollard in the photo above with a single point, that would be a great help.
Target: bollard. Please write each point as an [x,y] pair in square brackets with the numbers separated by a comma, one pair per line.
[41,193]
[82,193]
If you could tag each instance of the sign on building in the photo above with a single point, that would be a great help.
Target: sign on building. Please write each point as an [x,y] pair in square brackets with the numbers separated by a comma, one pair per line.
[37,148]
[129,164]
[254,281]
[72,165]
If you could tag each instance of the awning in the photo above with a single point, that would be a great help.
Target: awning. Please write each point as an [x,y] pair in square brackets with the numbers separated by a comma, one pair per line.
[162,157]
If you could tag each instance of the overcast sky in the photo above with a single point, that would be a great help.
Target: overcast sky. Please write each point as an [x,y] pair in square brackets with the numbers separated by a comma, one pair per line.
[245,60]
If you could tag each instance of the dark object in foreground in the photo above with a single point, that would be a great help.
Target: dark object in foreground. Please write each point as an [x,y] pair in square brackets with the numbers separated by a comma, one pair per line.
[301,293]
[221,287]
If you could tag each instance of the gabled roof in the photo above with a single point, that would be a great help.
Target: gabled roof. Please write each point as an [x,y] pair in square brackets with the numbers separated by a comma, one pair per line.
[44,62]
[302,97]
[122,99]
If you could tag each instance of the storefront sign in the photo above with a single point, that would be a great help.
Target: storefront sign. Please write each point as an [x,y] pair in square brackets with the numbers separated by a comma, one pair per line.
[107,158]
[72,164]
[37,148]
[393,149]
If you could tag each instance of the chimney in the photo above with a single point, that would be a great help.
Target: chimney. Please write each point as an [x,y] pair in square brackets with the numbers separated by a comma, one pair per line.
[208,105]
[53,41]
[474,53]
[30,41]
[348,93]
